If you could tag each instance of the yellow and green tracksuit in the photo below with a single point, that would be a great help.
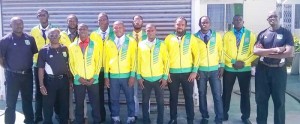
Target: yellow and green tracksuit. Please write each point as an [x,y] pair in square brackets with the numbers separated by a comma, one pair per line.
[141,38]
[211,54]
[120,63]
[152,63]
[65,40]
[95,36]
[244,52]
[86,65]
[184,56]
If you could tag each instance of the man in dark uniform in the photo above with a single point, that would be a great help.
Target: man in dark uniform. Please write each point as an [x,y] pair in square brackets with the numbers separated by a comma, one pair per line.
[53,60]
[16,52]
[273,45]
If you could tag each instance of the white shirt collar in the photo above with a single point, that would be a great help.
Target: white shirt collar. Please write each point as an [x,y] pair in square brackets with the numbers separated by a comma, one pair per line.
[150,44]
[41,27]
[122,39]
[106,32]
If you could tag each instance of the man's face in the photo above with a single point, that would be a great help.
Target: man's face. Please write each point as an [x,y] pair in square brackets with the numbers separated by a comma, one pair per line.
[180,25]
[273,19]
[54,36]
[103,22]
[238,22]
[151,32]
[205,24]
[137,22]
[83,31]
[17,26]
[43,17]
[72,23]
[119,29]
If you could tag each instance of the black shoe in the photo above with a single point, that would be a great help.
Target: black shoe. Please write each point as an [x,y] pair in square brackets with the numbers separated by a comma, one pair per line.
[247,121]
[172,122]
[135,117]
[225,117]
[38,119]
[190,121]
[204,121]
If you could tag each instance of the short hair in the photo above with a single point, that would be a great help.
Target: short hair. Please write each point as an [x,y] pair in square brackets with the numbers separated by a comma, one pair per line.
[237,15]
[150,25]
[137,16]
[15,18]
[53,29]
[118,22]
[104,14]
[42,10]
[71,16]
[82,25]
[181,18]
[202,18]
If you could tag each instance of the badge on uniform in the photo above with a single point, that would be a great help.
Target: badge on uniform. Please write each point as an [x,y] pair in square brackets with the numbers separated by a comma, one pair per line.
[64,54]
[51,56]
[27,42]
[279,36]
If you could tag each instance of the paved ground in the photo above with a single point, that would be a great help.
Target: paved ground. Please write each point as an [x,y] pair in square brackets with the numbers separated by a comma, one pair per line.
[292,108]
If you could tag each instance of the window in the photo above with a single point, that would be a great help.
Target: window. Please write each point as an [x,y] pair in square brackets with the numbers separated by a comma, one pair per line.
[221,15]
[297,16]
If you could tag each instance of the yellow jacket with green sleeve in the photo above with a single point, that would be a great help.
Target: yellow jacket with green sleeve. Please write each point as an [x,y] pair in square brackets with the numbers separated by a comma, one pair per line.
[152,62]
[211,54]
[65,40]
[244,51]
[120,63]
[184,55]
[86,65]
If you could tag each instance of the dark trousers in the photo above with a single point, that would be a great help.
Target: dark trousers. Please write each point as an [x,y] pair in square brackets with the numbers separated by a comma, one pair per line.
[116,84]
[187,87]
[14,83]
[159,95]
[38,96]
[57,93]
[93,94]
[270,81]
[101,95]
[216,89]
[244,79]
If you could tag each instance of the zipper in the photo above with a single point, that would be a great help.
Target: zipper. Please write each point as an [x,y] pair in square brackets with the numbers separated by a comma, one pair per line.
[180,56]
[84,66]
[151,62]
[119,62]
[207,55]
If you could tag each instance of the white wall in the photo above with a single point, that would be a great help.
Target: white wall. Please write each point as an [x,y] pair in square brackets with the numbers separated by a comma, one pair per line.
[256,12]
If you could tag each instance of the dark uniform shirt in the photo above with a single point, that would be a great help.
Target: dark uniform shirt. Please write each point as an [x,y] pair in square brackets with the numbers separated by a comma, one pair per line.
[54,60]
[18,51]
[271,39]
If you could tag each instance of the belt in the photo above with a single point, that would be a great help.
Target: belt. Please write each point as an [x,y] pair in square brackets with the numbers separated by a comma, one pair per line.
[272,65]
[56,76]
[28,71]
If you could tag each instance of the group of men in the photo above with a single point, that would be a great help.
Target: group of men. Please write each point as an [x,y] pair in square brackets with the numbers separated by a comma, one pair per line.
[80,61]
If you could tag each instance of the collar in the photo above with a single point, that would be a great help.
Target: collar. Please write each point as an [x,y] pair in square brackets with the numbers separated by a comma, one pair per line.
[122,39]
[86,41]
[106,31]
[68,32]
[17,37]
[139,33]
[47,28]
[238,32]
[154,41]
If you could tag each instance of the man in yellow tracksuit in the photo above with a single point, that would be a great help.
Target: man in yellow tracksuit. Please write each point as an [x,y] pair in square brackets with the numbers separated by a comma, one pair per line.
[238,52]
[210,69]
[39,33]
[101,35]
[152,72]
[139,35]
[184,62]
[85,65]
[119,70]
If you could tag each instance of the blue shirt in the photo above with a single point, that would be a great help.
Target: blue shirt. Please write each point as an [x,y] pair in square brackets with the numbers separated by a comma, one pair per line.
[201,35]
[238,35]
[17,52]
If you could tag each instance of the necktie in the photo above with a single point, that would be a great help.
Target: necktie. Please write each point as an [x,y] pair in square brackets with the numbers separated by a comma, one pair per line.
[44,33]
[119,44]
[137,37]
[238,39]
[103,36]
[205,39]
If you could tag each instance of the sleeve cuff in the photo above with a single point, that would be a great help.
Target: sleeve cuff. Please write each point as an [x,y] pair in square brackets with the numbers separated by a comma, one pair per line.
[222,65]
[195,69]
[76,77]
[138,76]
[233,61]
[105,75]
[132,74]
[165,77]
[96,77]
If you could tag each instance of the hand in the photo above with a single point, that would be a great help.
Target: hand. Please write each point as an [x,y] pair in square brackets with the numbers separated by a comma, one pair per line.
[82,81]
[220,72]
[106,81]
[71,85]
[238,65]
[163,83]
[198,76]
[43,90]
[169,78]
[281,49]
[141,83]
[90,82]
[192,77]
[131,81]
